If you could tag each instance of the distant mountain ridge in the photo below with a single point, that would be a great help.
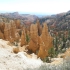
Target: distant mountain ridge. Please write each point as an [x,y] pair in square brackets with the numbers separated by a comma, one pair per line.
[25,18]
[59,21]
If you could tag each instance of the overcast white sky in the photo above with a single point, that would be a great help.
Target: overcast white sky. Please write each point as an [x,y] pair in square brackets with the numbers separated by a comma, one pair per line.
[35,6]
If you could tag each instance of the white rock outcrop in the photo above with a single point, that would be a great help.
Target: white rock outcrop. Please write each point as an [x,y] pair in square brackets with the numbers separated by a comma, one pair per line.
[20,61]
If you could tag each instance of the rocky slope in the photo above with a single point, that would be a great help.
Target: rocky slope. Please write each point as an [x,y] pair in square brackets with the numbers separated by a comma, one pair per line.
[60,21]
[25,18]
[20,61]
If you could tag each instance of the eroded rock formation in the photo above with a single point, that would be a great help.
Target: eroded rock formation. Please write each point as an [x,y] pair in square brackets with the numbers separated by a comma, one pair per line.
[10,31]
[40,44]
[33,44]
[13,29]
[40,40]
[45,42]
[17,22]
[39,27]
[23,38]
[42,53]
[1,35]
[2,25]
[6,33]
[17,37]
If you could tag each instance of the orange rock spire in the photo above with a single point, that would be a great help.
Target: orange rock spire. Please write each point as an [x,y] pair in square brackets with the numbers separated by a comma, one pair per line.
[33,44]
[23,38]
[46,42]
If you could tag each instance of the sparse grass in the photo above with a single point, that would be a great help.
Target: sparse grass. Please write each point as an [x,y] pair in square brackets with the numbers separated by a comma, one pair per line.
[27,38]
[65,65]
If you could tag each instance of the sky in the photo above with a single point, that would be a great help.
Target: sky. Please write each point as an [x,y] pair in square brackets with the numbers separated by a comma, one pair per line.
[35,6]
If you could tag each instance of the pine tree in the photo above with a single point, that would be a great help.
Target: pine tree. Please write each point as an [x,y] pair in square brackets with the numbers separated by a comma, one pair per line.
[56,43]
